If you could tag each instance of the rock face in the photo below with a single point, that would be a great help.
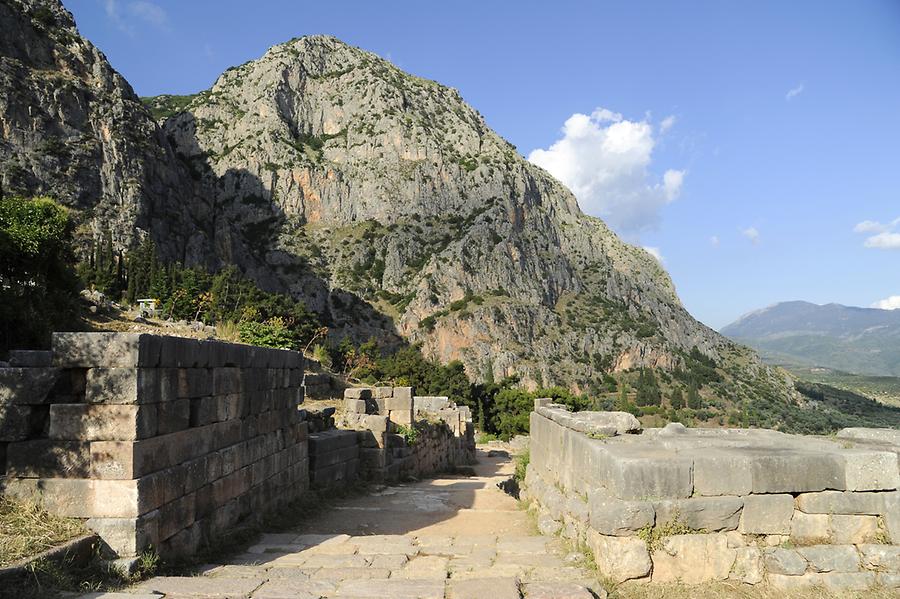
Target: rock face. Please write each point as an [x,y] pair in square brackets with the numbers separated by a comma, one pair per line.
[380,199]
[73,128]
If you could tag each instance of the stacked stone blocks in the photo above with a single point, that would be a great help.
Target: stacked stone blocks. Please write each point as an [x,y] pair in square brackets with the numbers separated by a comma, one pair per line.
[695,505]
[160,442]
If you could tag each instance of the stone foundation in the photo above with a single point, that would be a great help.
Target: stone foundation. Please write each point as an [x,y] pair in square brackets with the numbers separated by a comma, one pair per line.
[693,505]
[159,442]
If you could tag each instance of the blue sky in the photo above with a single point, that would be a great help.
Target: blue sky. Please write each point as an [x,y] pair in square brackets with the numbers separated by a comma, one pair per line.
[778,123]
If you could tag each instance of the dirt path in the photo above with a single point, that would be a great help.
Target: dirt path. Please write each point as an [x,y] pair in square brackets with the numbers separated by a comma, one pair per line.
[450,537]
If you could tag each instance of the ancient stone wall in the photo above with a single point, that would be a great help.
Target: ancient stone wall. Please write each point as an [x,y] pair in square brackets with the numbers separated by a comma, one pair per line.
[159,442]
[436,436]
[693,505]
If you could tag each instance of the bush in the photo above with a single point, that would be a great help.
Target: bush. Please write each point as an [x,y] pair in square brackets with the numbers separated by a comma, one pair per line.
[271,333]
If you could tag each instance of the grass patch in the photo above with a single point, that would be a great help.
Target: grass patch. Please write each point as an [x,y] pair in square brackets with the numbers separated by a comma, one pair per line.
[26,530]
[522,461]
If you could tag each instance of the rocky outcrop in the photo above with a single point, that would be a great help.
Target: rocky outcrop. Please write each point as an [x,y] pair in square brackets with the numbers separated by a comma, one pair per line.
[380,199]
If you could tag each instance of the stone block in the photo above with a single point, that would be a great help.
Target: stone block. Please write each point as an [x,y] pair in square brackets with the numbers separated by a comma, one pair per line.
[810,528]
[831,558]
[101,422]
[793,471]
[711,514]
[718,472]
[642,476]
[127,536]
[226,381]
[27,386]
[853,530]
[693,559]
[474,588]
[106,350]
[841,502]
[194,382]
[887,580]
[355,406]
[398,403]
[884,558]
[403,393]
[358,393]
[382,392]
[620,558]
[130,385]
[892,516]
[784,561]
[45,458]
[870,470]
[30,358]
[767,514]
[613,517]
[748,565]
[173,416]
[888,436]
[16,422]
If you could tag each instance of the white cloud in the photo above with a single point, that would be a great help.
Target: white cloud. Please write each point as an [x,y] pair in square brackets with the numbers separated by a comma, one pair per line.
[667,123]
[714,241]
[882,236]
[124,14]
[752,234]
[655,252]
[891,303]
[794,92]
[604,159]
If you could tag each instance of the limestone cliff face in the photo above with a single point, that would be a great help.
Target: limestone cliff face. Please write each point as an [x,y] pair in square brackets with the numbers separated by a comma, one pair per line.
[381,199]
[73,128]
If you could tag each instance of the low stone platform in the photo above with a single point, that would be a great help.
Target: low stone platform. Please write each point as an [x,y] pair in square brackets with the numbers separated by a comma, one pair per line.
[450,537]
[693,505]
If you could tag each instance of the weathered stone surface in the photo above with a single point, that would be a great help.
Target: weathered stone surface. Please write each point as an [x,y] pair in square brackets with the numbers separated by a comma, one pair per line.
[870,470]
[718,472]
[401,589]
[15,422]
[83,422]
[882,435]
[693,559]
[644,476]
[880,557]
[619,518]
[45,458]
[30,358]
[127,536]
[810,528]
[853,530]
[831,558]
[841,502]
[710,514]
[620,558]
[793,471]
[131,385]
[358,393]
[784,561]
[110,350]
[748,565]
[560,590]
[27,386]
[201,586]
[475,588]
[767,514]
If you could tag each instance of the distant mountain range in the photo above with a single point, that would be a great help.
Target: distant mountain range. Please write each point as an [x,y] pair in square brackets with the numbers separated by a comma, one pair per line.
[846,338]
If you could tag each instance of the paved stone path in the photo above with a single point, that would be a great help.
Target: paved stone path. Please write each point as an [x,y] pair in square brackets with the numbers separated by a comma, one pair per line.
[450,537]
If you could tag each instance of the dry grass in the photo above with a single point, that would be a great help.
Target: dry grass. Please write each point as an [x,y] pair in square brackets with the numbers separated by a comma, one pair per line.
[26,530]
[728,590]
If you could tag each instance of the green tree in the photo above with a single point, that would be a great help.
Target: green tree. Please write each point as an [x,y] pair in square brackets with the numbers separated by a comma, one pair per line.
[38,284]
[677,399]
[693,396]
[648,393]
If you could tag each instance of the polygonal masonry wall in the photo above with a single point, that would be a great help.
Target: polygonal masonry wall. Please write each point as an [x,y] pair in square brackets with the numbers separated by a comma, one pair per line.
[693,505]
[161,442]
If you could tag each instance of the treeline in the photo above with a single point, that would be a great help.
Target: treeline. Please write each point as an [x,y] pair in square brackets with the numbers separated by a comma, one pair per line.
[193,294]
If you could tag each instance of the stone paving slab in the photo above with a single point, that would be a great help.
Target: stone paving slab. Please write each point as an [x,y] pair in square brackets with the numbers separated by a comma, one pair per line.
[433,545]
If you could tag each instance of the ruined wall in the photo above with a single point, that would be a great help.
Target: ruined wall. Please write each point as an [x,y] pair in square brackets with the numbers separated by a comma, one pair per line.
[160,442]
[692,505]
[443,433]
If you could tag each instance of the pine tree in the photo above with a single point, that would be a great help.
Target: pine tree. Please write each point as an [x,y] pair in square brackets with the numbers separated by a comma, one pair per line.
[693,396]
[677,399]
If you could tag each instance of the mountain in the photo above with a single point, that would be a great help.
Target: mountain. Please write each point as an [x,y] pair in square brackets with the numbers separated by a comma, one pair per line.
[855,340]
[380,199]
